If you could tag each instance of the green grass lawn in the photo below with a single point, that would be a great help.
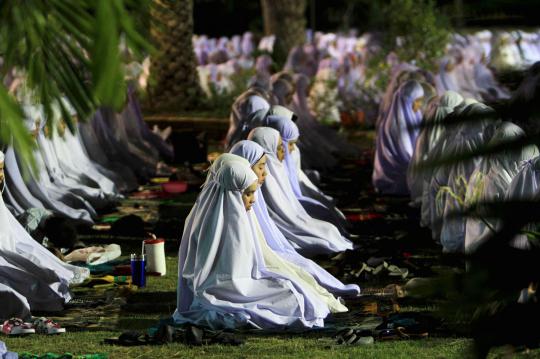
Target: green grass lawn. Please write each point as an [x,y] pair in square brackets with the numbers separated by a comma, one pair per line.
[157,301]
[260,346]
[257,346]
[310,345]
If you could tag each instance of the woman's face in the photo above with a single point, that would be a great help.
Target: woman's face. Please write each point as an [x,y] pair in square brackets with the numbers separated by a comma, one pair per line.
[260,169]
[280,150]
[248,196]
[292,145]
[417,104]
[1,172]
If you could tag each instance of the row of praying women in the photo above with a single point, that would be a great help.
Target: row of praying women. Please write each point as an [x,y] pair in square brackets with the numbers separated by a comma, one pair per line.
[453,188]
[414,146]
[242,255]
[76,174]
[322,146]
[252,109]
[338,86]
[23,261]
[325,76]
[82,172]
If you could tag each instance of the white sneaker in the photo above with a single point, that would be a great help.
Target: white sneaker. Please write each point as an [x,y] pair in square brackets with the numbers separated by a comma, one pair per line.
[16,326]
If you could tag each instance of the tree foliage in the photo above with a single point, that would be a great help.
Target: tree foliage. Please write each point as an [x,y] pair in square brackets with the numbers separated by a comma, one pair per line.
[65,49]
[416,31]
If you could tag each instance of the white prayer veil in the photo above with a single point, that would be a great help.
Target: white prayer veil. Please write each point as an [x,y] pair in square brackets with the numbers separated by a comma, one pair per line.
[253,152]
[426,141]
[491,182]
[223,279]
[525,186]
[470,136]
[282,111]
[219,162]
[32,271]
[243,107]
[306,234]
[256,103]
[2,179]
[396,140]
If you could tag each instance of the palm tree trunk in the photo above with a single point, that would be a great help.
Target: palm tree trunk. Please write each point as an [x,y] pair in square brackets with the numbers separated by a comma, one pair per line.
[286,20]
[174,84]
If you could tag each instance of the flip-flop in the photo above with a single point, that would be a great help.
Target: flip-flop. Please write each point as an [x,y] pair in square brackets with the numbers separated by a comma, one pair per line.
[344,335]
[194,335]
[16,326]
[46,326]
[363,268]
[388,334]
[408,335]
[128,339]
[363,341]
[225,338]
[396,271]
[380,268]
[164,334]
[351,336]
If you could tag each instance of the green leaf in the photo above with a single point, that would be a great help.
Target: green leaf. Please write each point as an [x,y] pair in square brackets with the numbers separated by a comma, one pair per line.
[66,49]
[12,129]
[107,72]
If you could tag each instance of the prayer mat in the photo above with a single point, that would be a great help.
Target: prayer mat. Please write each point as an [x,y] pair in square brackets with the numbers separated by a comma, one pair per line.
[105,268]
[91,310]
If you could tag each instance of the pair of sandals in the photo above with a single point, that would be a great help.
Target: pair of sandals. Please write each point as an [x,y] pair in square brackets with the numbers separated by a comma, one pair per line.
[365,337]
[190,335]
[390,291]
[405,326]
[351,336]
[391,269]
[196,336]
[42,325]
[400,333]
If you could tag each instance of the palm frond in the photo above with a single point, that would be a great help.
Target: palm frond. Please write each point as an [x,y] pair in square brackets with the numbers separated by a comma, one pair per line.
[65,49]
[12,127]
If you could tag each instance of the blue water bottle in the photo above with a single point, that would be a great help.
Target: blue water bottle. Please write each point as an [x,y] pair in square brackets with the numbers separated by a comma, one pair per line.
[138,272]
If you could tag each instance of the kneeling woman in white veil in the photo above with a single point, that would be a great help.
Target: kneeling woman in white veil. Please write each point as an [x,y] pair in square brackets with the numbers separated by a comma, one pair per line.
[492,181]
[31,277]
[306,234]
[228,277]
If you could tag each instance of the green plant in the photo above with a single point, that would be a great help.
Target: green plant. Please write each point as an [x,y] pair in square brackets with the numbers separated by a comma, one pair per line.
[378,73]
[323,97]
[416,31]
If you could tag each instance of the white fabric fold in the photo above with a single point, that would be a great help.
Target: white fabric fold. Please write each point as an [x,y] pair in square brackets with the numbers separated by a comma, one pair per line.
[306,234]
[228,277]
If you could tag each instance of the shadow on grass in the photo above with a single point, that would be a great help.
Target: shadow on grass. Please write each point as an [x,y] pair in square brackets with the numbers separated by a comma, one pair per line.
[125,323]
[151,303]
